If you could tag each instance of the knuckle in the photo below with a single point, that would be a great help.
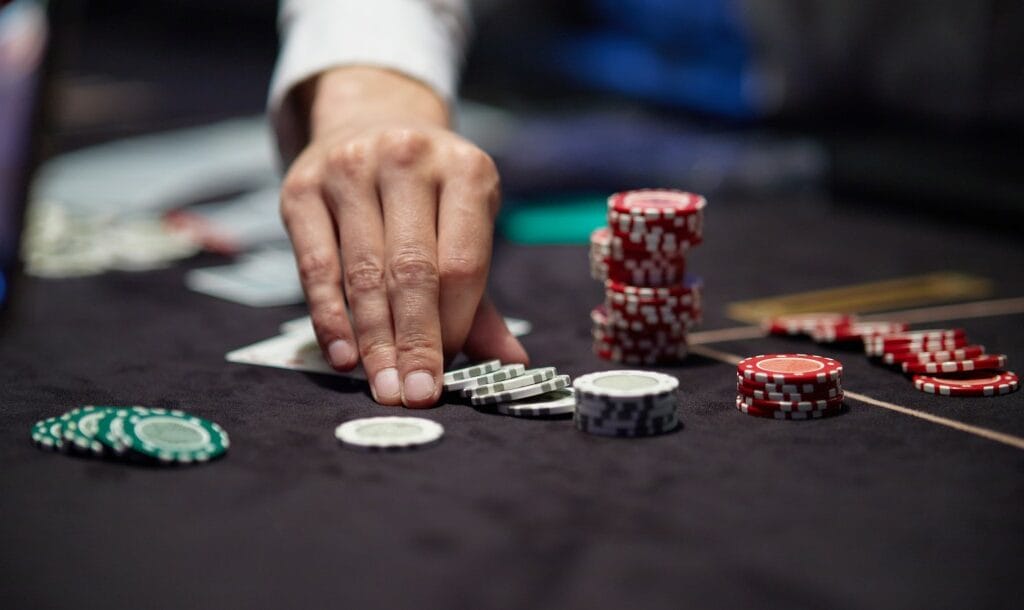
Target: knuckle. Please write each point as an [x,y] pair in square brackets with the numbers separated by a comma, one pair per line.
[301,183]
[316,267]
[326,315]
[374,348]
[404,146]
[462,270]
[476,163]
[413,269]
[420,346]
[349,159]
[364,276]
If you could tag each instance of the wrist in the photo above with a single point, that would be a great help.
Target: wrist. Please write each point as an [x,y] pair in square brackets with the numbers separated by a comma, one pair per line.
[353,96]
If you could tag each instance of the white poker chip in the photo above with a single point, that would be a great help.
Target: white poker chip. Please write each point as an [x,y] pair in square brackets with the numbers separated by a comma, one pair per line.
[389,433]
[557,383]
[529,377]
[508,371]
[625,384]
[559,402]
[474,370]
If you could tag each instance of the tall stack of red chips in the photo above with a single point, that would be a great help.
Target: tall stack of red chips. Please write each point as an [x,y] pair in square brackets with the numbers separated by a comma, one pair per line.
[650,301]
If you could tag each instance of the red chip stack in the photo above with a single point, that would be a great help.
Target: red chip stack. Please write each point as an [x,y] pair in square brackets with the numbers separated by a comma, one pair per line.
[650,301]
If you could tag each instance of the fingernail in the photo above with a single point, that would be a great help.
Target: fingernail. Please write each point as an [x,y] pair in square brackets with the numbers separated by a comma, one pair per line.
[385,385]
[341,353]
[419,386]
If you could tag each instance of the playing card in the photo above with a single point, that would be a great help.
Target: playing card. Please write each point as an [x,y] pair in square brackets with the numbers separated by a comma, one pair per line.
[296,350]
[264,278]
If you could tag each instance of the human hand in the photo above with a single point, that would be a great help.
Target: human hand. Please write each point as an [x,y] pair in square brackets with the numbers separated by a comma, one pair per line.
[391,218]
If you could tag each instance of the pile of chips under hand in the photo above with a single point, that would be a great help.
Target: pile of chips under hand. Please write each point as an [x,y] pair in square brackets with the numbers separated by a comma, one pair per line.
[939,360]
[512,389]
[789,386]
[139,434]
[650,301]
[626,403]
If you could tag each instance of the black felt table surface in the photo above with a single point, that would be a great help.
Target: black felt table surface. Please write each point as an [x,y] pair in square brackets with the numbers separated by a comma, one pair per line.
[866,510]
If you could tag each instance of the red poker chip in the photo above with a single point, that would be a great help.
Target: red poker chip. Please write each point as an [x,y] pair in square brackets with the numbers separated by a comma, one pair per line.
[793,405]
[918,336]
[651,317]
[629,340]
[790,368]
[642,278]
[653,312]
[691,284]
[960,353]
[791,415]
[632,223]
[854,331]
[750,392]
[975,383]
[916,348]
[986,362]
[623,244]
[647,327]
[804,323]
[791,388]
[673,307]
[656,203]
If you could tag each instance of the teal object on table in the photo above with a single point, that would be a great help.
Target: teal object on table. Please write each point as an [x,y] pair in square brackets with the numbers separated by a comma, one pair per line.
[553,220]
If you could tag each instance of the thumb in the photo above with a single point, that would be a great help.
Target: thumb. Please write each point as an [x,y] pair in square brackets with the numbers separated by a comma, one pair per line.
[490,338]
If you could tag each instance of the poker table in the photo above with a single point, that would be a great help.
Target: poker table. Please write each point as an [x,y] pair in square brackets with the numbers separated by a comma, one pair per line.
[905,500]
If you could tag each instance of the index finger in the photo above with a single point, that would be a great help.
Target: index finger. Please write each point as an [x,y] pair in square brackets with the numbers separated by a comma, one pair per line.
[310,227]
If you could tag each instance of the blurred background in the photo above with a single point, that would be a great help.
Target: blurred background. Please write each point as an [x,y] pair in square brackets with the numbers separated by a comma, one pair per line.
[152,110]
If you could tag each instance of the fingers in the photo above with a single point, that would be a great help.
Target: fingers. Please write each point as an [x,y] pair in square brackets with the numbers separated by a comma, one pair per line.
[409,198]
[310,227]
[468,204]
[490,338]
[351,185]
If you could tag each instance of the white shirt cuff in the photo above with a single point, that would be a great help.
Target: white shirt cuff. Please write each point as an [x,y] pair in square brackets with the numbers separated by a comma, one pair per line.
[420,39]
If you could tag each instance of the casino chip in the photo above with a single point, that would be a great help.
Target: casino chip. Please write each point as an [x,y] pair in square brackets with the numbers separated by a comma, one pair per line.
[559,402]
[48,434]
[172,436]
[805,323]
[960,353]
[650,301]
[789,386]
[527,391]
[389,434]
[987,362]
[530,377]
[474,370]
[778,414]
[626,403]
[790,368]
[508,371]
[155,435]
[975,383]
[855,331]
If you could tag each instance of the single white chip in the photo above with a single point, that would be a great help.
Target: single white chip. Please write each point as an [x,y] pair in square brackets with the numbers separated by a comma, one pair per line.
[525,378]
[559,402]
[474,370]
[556,383]
[509,371]
[625,384]
[389,433]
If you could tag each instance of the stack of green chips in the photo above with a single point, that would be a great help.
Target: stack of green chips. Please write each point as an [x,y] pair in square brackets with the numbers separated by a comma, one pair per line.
[133,433]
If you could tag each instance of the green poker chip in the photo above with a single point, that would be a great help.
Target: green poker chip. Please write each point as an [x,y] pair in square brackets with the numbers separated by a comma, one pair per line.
[46,434]
[80,428]
[110,428]
[170,436]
